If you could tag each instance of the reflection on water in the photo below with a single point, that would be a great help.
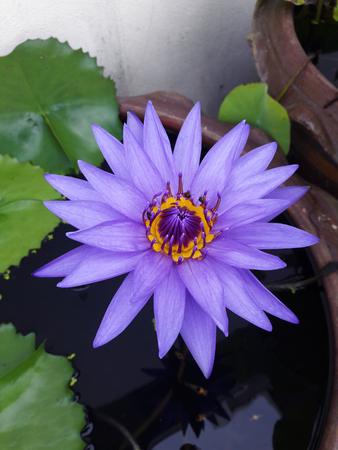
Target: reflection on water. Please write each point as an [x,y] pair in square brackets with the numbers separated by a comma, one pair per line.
[252,423]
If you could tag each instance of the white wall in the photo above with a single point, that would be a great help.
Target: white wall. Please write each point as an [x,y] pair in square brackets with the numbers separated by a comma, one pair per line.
[195,47]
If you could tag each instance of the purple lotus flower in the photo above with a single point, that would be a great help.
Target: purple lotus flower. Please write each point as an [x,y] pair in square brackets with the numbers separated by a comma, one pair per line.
[189,233]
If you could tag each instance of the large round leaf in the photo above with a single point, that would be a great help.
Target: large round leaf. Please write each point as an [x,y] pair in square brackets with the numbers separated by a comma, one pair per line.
[252,103]
[24,221]
[36,407]
[50,96]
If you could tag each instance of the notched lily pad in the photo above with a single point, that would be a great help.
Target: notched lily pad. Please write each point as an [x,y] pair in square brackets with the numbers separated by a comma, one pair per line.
[36,407]
[24,221]
[50,96]
[252,103]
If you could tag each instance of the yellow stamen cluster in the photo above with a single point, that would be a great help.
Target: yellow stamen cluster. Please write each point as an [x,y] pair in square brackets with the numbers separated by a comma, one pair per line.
[179,252]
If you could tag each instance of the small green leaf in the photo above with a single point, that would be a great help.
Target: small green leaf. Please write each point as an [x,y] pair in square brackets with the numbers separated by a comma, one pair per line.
[24,221]
[252,103]
[297,2]
[335,12]
[50,96]
[36,407]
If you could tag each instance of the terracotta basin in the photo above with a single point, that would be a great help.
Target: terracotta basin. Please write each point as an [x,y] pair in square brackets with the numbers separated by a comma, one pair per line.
[316,212]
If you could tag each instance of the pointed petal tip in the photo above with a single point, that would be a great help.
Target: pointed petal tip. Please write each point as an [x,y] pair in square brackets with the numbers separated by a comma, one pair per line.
[128,135]
[38,273]
[315,240]
[294,320]
[100,339]
[96,343]
[82,164]
[49,204]
[53,179]
[197,107]
[161,353]
[97,130]
[268,327]
[130,115]
[207,372]
[288,316]
[240,124]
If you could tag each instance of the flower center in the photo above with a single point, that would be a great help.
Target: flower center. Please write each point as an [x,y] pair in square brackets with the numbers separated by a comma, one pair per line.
[176,226]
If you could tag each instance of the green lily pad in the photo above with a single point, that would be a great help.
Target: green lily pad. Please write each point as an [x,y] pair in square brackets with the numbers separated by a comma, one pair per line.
[50,96]
[252,103]
[24,221]
[36,407]
[14,348]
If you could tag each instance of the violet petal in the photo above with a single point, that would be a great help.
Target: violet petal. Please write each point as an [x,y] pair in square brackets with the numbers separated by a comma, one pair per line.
[120,194]
[271,235]
[199,333]
[240,255]
[136,127]
[63,265]
[205,287]
[73,188]
[114,235]
[254,187]
[169,302]
[143,172]
[242,142]
[289,193]
[237,298]
[149,273]
[101,265]
[82,213]
[215,168]
[112,150]
[187,152]
[265,299]
[120,312]
[250,211]
[157,146]
[253,162]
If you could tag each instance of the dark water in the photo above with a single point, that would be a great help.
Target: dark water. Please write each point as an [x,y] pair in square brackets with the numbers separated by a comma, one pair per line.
[320,41]
[267,390]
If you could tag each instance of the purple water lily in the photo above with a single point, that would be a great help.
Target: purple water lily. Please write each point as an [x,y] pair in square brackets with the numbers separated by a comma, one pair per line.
[189,233]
